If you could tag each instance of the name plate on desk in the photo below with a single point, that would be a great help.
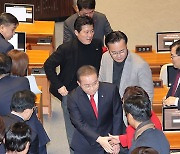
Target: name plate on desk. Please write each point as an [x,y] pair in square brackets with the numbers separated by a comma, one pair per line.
[171,118]
[143,48]
[158,83]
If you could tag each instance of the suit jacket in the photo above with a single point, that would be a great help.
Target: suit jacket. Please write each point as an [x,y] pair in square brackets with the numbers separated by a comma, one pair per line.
[8,86]
[66,56]
[101,27]
[150,137]
[136,72]
[88,128]
[10,119]
[177,93]
[5,46]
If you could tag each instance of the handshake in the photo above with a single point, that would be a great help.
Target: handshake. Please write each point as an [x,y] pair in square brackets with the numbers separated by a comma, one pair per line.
[109,143]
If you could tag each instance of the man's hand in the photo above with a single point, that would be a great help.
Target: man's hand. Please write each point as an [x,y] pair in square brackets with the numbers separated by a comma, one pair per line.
[103,141]
[116,149]
[63,91]
[114,139]
[169,101]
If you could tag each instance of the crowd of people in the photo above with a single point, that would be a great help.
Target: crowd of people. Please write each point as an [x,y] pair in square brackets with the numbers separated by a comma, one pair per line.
[106,97]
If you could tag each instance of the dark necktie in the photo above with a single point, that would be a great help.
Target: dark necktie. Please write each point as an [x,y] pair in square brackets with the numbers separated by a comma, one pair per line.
[93,104]
[176,83]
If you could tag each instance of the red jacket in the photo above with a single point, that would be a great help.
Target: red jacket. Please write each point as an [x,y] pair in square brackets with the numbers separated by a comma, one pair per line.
[126,139]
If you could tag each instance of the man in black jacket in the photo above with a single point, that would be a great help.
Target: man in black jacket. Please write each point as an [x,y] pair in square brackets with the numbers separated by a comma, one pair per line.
[70,56]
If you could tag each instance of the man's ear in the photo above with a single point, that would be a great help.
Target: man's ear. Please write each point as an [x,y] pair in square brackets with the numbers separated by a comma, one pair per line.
[76,32]
[78,83]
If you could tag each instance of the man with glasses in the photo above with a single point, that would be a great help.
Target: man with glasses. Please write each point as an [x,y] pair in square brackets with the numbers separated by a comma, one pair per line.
[87,8]
[173,94]
[123,67]
[95,110]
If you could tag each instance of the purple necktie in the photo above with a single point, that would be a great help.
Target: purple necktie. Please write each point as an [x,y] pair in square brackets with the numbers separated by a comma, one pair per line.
[176,83]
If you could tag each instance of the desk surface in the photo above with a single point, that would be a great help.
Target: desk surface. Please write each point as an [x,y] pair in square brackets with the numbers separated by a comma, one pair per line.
[37,56]
[154,59]
[37,28]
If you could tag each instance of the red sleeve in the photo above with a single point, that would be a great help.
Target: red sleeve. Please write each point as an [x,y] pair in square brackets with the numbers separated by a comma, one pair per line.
[126,139]
[156,121]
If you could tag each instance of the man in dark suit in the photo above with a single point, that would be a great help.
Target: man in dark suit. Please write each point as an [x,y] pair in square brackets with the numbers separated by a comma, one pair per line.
[138,112]
[22,107]
[8,86]
[84,50]
[8,25]
[173,94]
[86,8]
[95,110]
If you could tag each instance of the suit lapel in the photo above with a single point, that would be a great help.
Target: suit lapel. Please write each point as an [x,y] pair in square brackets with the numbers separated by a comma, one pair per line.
[75,54]
[85,103]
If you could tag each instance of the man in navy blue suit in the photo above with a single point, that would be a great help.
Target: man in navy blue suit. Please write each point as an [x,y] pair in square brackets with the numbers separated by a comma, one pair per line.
[95,110]
[173,94]
[8,25]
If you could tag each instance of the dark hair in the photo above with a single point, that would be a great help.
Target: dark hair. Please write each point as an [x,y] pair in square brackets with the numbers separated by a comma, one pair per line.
[86,4]
[20,62]
[5,63]
[22,100]
[144,150]
[115,36]
[17,137]
[7,19]
[134,90]
[86,70]
[81,21]
[2,129]
[139,107]
[177,43]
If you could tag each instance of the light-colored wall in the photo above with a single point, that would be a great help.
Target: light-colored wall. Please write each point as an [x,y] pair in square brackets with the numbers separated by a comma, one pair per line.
[141,19]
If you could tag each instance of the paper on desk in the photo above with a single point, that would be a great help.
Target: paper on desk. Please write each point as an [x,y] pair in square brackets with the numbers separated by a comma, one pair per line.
[33,85]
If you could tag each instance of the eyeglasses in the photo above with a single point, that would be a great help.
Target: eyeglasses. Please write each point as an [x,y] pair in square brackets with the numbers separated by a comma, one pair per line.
[88,86]
[115,53]
[173,56]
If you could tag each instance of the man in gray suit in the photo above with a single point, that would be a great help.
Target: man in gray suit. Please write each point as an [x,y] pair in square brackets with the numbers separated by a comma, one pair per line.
[8,25]
[123,67]
[86,8]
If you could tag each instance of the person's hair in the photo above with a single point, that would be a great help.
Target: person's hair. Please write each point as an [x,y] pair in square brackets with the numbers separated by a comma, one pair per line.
[139,107]
[134,90]
[85,71]
[178,50]
[86,4]
[5,63]
[115,36]
[144,150]
[2,129]
[22,100]
[7,19]
[176,43]
[20,62]
[81,21]
[17,137]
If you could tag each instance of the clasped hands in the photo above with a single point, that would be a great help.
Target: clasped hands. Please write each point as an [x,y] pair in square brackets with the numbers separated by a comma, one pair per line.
[109,143]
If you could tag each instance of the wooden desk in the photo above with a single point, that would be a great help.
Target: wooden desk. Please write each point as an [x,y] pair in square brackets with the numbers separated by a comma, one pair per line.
[36,30]
[36,60]
[39,105]
[159,94]
[155,60]
[173,137]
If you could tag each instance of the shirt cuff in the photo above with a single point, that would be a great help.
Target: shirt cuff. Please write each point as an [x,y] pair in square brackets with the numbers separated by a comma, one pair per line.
[176,101]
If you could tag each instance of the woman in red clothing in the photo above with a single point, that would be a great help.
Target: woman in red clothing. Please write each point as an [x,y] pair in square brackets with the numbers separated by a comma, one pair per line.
[126,139]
